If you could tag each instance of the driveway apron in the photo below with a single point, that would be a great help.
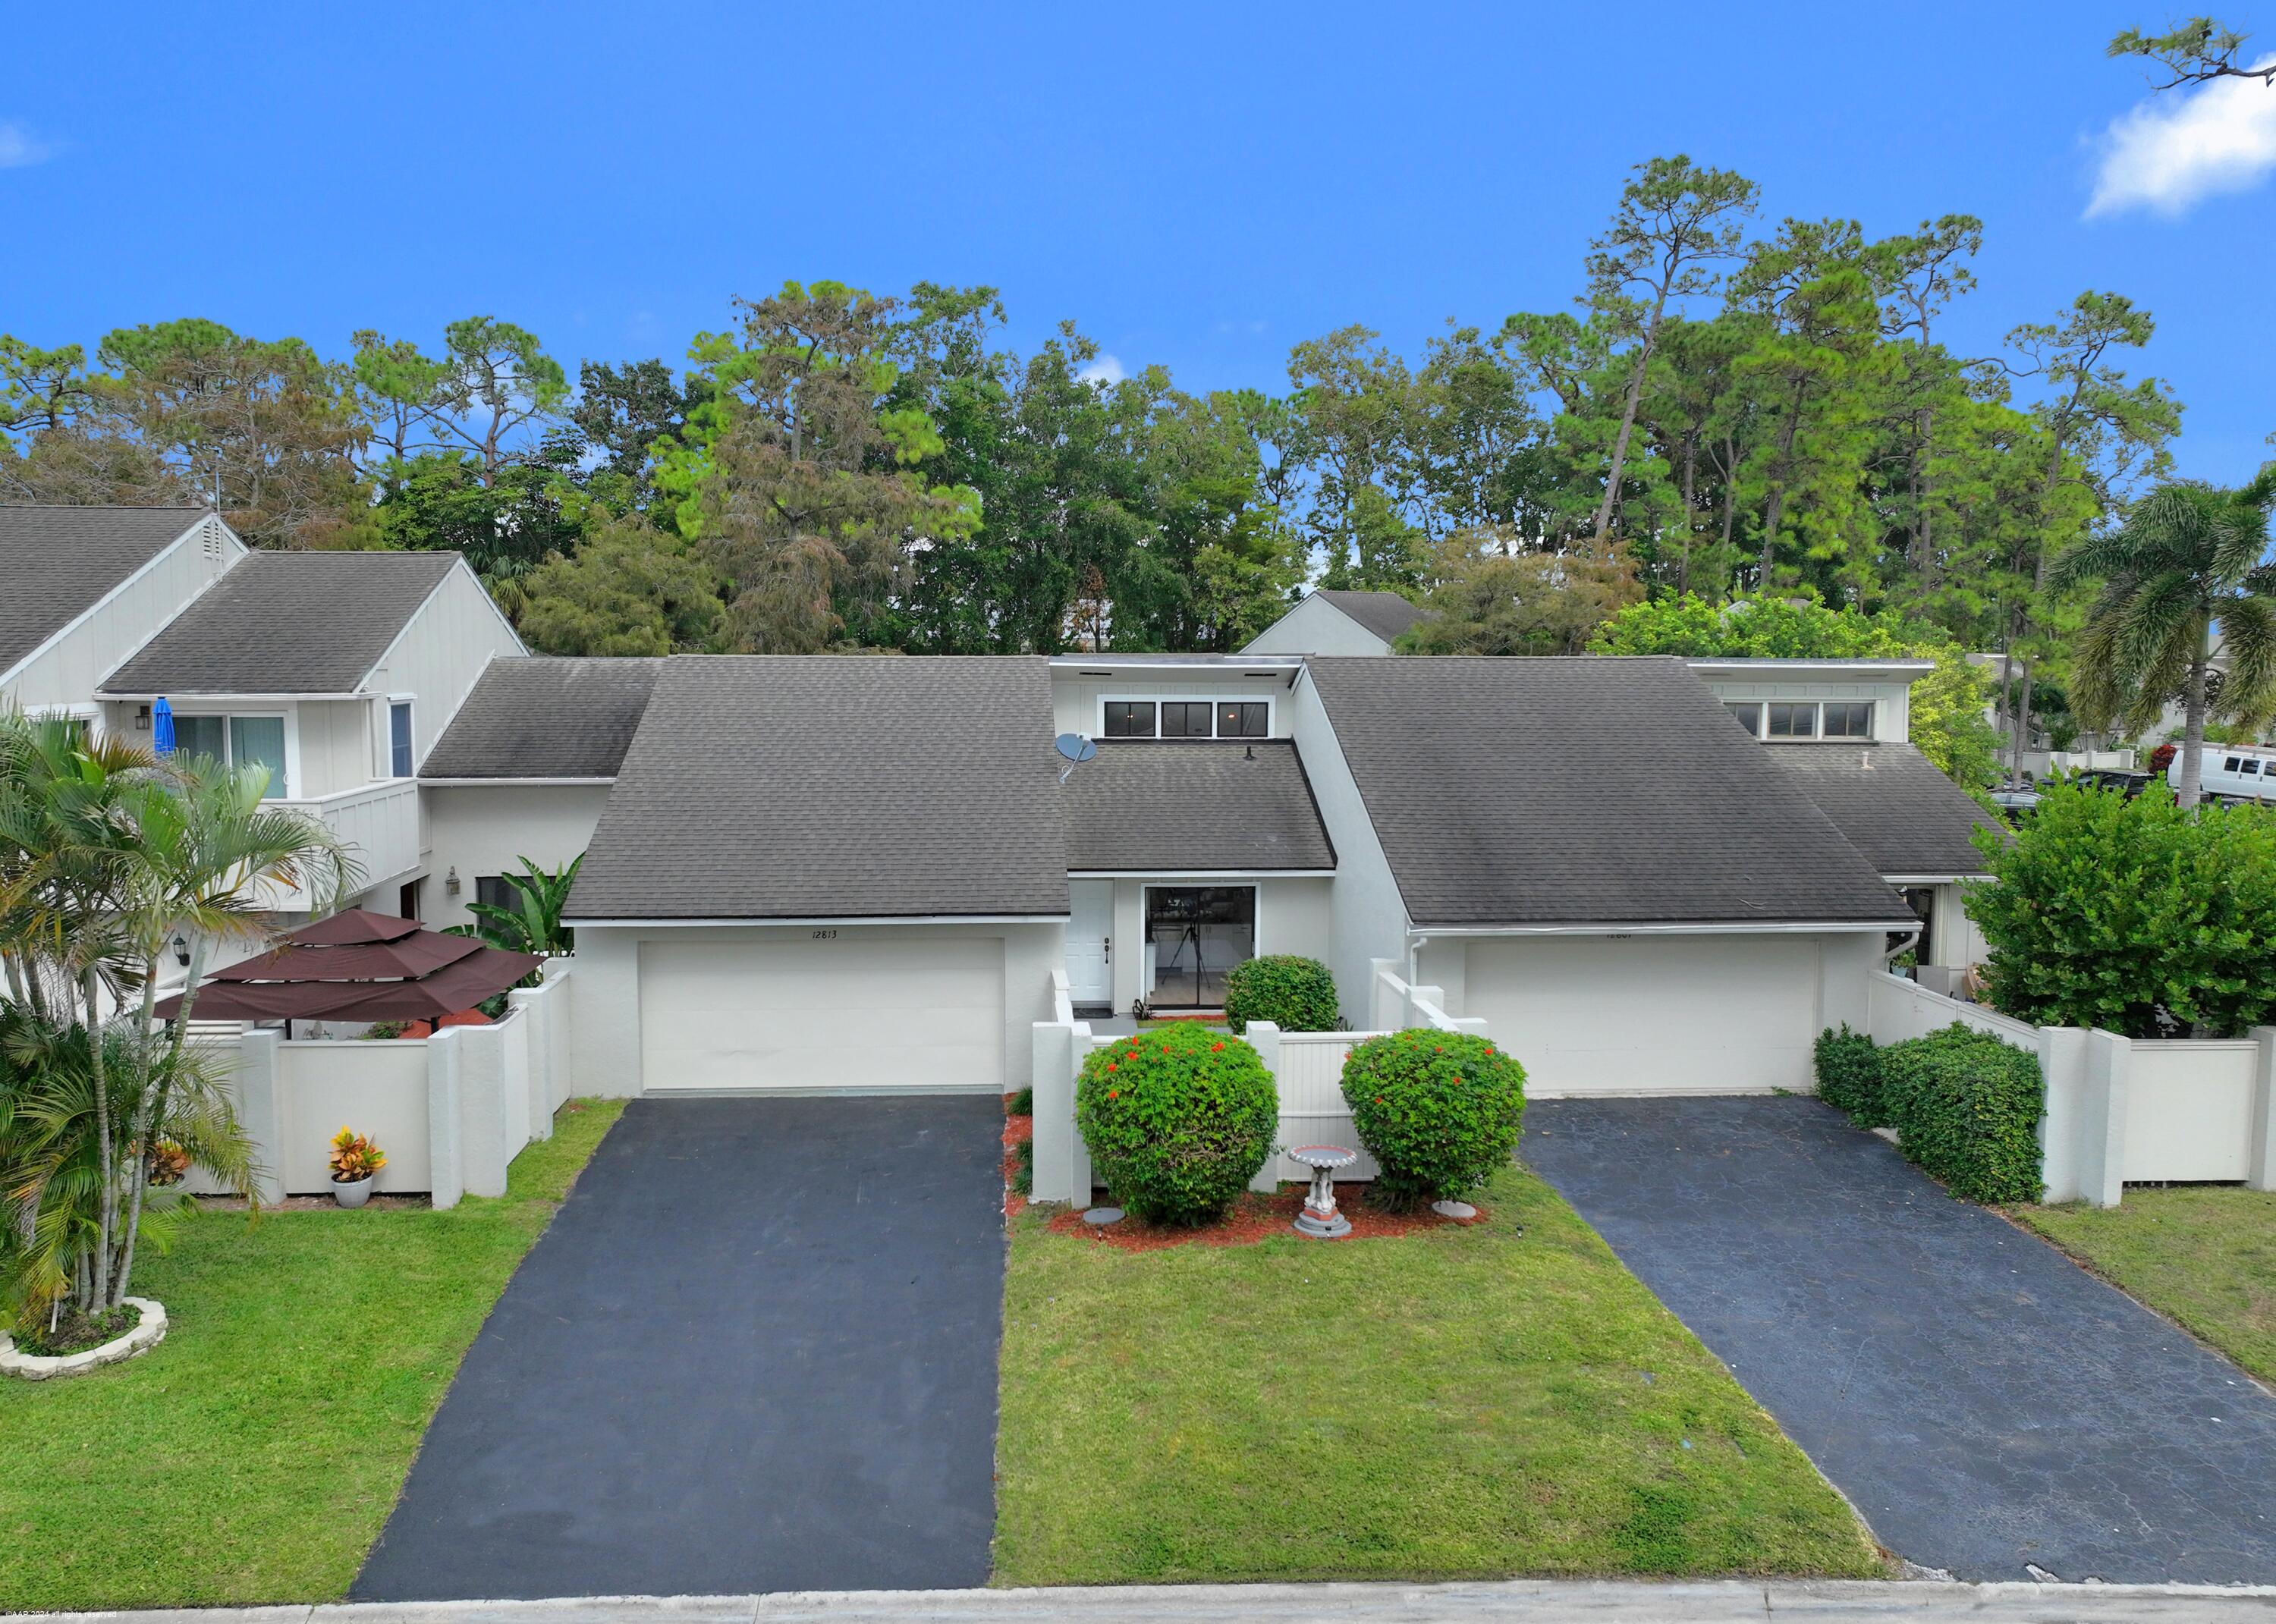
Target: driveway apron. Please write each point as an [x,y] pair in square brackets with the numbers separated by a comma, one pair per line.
[1988,1405]
[755,1350]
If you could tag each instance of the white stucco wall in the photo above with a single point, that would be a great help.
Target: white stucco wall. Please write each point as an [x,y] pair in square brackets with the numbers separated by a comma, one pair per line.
[605,988]
[1709,1013]
[484,829]
[1316,626]
[1367,915]
[1293,916]
[66,671]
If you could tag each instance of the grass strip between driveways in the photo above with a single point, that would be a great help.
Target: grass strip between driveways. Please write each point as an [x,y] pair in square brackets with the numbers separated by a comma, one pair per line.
[254,1453]
[2204,1257]
[1455,1403]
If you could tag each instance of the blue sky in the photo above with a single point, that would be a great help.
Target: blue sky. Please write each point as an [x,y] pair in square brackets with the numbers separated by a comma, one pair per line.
[1199,186]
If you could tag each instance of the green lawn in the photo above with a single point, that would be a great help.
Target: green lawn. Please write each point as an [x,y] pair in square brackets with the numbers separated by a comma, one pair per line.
[254,1455]
[1459,1403]
[2205,1257]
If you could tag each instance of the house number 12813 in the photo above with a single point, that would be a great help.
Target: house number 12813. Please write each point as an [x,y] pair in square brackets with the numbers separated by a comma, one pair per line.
[825,936]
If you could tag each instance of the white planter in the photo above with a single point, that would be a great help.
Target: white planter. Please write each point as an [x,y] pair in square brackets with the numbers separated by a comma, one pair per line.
[147,1334]
[353,1192]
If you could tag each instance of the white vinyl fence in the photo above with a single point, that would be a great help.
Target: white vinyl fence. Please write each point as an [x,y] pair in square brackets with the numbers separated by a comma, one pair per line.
[451,1111]
[2120,1111]
[1306,1071]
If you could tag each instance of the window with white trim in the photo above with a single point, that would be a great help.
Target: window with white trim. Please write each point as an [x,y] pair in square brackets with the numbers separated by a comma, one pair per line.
[399,739]
[1185,716]
[237,741]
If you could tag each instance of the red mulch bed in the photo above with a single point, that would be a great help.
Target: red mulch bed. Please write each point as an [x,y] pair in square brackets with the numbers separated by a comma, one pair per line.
[1017,1132]
[1257,1218]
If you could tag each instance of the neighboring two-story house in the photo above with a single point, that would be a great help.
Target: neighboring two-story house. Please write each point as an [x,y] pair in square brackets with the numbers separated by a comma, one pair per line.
[335,670]
[1334,621]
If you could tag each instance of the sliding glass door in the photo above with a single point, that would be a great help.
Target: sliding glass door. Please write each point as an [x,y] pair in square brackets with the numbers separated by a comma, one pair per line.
[1196,933]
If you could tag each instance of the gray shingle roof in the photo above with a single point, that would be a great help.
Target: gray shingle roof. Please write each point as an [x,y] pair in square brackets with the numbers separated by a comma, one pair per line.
[834,786]
[1892,804]
[1583,791]
[1386,614]
[545,719]
[286,623]
[57,562]
[1204,805]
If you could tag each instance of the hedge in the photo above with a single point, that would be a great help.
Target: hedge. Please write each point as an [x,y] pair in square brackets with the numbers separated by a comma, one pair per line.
[1965,1106]
[1849,1075]
[1178,1119]
[1440,1112]
[2134,916]
[1296,994]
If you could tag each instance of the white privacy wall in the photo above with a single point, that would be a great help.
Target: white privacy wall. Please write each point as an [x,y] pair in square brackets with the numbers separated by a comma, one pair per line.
[2121,1110]
[487,829]
[451,1111]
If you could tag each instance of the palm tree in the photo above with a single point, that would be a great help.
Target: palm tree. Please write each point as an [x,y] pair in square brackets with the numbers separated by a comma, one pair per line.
[106,854]
[206,846]
[2190,556]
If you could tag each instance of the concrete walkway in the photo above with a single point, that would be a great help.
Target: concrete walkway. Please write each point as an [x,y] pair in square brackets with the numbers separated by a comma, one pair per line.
[1988,1405]
[1509,1601]
[755,1350]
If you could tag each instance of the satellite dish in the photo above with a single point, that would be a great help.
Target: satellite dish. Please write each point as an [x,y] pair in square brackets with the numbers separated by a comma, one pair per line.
[1076,748]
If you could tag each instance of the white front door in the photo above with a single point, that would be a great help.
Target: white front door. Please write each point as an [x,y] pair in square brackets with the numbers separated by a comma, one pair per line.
[1090,941]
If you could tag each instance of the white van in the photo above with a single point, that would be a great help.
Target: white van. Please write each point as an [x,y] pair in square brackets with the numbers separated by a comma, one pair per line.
[2233,771]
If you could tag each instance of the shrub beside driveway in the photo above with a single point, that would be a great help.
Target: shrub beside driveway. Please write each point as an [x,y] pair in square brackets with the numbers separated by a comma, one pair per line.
[1465,1401]
[2204,1257]
[252,1455]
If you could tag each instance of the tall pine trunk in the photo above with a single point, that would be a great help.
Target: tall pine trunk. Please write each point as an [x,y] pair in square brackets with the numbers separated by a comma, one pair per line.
[1628,420]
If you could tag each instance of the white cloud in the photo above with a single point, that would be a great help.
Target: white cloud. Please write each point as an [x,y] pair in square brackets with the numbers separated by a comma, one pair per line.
[2172,151]
[1105,369]
[19,148]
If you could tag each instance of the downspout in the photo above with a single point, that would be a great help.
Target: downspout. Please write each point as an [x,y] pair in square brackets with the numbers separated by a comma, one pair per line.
[1912,939]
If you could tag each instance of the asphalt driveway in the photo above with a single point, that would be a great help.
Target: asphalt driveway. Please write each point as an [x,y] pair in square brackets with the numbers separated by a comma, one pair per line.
[755,1350]
[1984,1401]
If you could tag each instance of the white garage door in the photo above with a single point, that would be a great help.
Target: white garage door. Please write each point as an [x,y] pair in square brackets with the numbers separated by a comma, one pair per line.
[1671,1014]
[849,1013]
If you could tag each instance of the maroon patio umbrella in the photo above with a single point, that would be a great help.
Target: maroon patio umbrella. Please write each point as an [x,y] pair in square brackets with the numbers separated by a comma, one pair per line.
[358,965]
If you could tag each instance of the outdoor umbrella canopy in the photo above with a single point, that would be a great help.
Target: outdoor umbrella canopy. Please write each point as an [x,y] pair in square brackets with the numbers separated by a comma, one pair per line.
[360,966]
[162,727]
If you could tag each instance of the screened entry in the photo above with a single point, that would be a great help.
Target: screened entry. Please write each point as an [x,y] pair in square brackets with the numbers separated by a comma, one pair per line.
[1196,933]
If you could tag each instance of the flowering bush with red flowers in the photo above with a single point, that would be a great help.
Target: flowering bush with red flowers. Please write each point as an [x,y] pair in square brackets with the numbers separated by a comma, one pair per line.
[1178,1121]
[1440,1112]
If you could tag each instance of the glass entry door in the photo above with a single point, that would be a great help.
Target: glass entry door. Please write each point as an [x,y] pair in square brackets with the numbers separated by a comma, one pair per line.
[1195,934]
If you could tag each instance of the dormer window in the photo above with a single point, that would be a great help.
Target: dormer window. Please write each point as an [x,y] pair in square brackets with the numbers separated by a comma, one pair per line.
[1791,719]
[1848,719]
[1180,717]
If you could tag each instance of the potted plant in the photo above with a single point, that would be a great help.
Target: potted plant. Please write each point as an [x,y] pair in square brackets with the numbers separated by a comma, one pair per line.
[355,1161]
